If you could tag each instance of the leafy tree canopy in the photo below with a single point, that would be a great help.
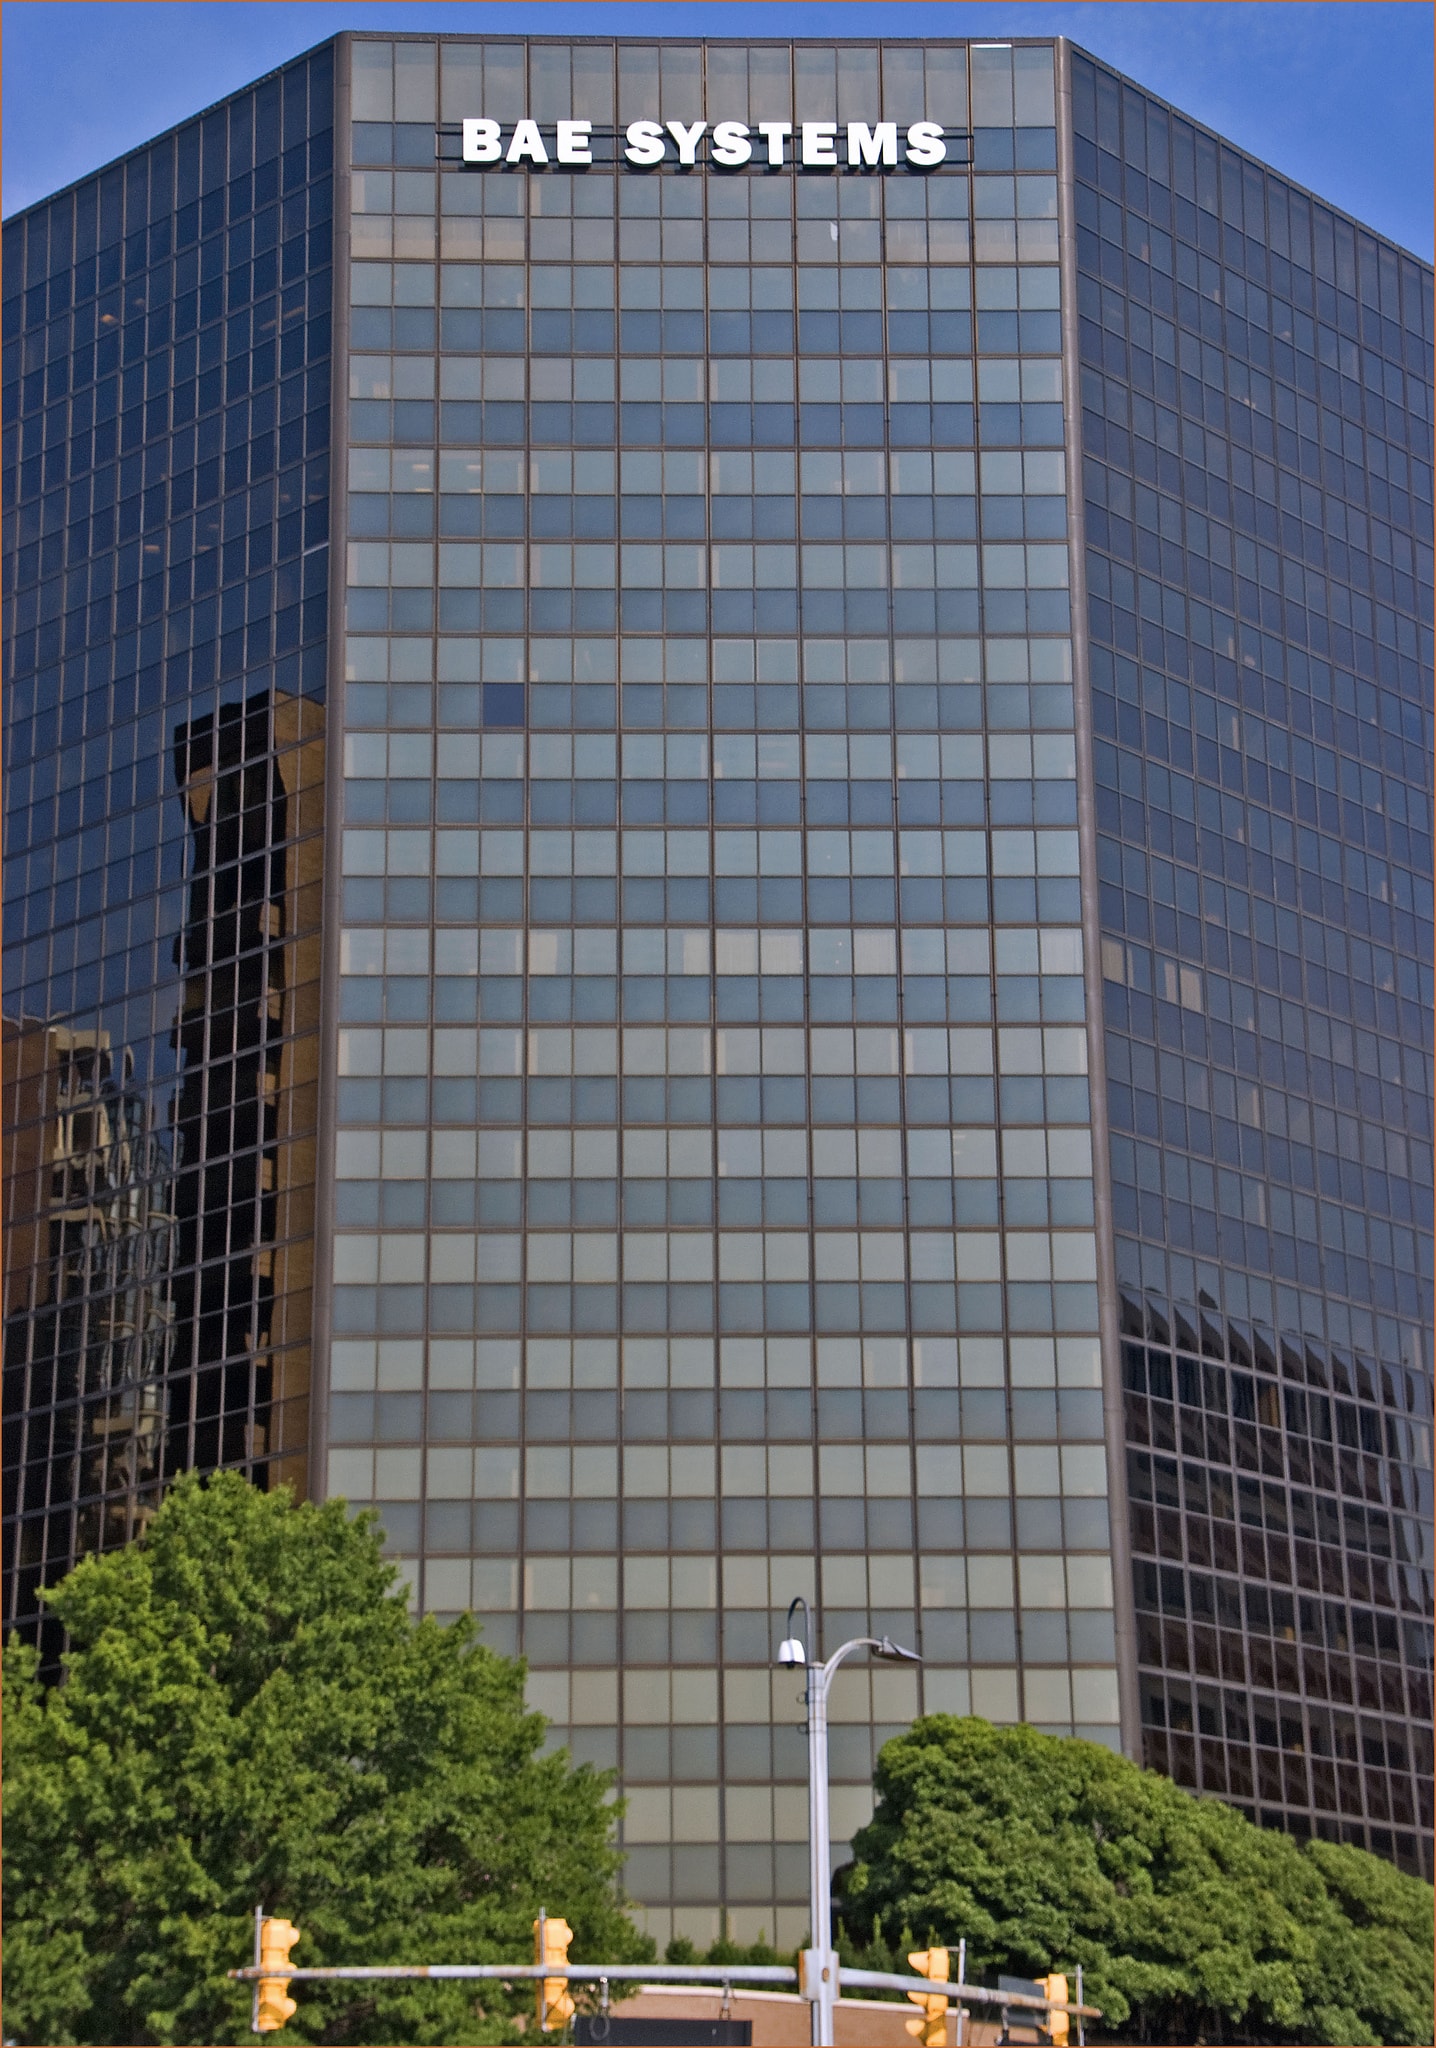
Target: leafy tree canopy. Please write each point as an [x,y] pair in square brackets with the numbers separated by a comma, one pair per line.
[726,1950]
[250,1714]
[1189,1922]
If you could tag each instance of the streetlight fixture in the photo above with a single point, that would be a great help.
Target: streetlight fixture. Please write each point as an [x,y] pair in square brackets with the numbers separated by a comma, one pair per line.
[818,1965]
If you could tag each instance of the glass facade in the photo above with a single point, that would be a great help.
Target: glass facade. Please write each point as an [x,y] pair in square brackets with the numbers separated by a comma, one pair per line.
[1256,425]
[823,657]
[713,1206]
[166,483]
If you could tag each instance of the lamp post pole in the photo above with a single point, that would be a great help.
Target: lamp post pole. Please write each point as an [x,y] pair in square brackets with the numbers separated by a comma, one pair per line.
[818,1965]
[820,1876]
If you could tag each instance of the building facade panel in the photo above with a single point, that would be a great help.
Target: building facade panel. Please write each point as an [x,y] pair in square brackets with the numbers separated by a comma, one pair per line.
[1256,391]
[714,1172]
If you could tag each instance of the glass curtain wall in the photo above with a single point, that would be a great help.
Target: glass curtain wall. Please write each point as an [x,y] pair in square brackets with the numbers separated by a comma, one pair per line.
[1256,390]
[714,1177]
[166,403]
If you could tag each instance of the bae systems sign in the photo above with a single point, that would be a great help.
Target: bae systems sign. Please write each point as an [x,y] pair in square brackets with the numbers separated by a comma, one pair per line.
[813,145]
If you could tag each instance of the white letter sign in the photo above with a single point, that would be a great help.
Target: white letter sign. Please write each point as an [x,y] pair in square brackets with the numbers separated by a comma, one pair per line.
[872,145]
[481,142]
[527,145]
[573,139]
[727,145]
[645,143]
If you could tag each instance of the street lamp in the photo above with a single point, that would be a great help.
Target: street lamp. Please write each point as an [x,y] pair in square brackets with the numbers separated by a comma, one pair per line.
[818,1965]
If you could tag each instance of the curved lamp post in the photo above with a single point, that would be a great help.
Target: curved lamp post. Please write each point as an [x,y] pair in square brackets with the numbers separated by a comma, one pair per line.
[818,1965]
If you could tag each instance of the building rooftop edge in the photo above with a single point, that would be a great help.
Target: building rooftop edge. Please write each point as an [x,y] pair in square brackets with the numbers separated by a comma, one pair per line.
[1427,264]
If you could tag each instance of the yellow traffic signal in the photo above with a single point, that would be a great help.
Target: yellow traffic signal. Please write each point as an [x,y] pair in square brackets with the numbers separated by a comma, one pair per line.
[274,2007]
[551,1940]
[931,2029]
[1059,2024]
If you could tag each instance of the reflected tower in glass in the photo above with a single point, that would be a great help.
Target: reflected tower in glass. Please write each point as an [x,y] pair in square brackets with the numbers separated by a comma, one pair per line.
[717,885]
[166,421]
[1256,425]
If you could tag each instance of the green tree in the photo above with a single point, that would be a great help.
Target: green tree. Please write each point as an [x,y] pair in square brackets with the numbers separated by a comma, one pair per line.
[250,1714]
[1189,1922]
[726,1950]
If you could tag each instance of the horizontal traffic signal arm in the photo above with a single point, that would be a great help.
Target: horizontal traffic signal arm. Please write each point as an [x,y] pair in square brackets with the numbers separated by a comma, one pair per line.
[584,1973]
[958,1993]
[781,1974]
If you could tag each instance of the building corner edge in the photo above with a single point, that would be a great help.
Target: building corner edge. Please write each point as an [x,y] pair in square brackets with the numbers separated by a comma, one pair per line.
[1109,1320]
[323,1311]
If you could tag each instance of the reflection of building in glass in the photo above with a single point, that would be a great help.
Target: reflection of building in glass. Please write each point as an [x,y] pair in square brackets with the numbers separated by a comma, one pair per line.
[252,788]
[1257,505]
[89,1255]
[170,1271]
[159,1280]
[166,398]
[876,877]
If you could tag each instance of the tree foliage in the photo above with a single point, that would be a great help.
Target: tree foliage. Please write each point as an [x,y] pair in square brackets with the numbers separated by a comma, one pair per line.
[1190,1923]
[726,1950]
[250,1714]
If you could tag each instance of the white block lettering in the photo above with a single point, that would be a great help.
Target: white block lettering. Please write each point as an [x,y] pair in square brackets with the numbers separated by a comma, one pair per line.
[687,139]
[481,142]
[527,145]
[817,145]
[818,140]
[573,141]
[925,144]
[732,143]
[872,145]
[644,142]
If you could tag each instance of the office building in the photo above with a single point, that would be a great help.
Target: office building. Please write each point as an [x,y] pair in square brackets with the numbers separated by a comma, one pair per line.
[718,863]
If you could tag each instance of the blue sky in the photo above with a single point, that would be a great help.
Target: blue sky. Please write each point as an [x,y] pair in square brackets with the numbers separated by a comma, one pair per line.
[1337,96]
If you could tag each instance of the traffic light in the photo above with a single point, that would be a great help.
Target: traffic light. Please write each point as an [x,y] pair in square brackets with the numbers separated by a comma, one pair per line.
[551,1940]
[1059,2024]
[931,2029]
[273,2007]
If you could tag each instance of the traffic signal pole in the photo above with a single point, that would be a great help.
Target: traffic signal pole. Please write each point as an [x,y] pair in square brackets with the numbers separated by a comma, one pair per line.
[254,2000]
